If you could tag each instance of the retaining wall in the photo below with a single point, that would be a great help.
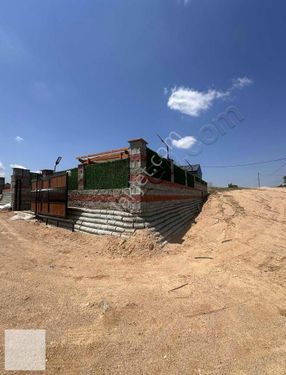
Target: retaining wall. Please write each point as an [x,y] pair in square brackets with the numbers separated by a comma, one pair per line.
[114,199]
[163,206]
[105,221]
[166,208]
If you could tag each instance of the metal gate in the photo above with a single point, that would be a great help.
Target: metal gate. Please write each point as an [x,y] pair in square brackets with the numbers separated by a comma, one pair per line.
[50,195]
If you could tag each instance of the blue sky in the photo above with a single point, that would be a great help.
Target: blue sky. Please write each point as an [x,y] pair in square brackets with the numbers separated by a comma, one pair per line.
[85,76]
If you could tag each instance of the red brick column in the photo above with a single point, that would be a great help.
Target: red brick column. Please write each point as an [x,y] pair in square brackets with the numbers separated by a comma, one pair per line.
[81,177]
[138,164]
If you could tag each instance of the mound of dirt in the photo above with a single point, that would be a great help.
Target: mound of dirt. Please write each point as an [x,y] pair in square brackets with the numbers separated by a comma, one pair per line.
[141,243]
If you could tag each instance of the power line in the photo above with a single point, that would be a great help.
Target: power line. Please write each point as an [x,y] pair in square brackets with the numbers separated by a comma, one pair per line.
[279,169]
[275,172]
[243,165]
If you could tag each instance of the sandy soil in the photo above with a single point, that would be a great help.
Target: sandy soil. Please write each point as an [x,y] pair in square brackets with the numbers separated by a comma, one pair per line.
[109,308]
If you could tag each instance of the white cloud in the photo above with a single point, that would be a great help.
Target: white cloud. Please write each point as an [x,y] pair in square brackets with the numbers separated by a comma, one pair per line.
[2,169]
[185,142]
[17,166]
[19,139]
[192,102]
[239,83]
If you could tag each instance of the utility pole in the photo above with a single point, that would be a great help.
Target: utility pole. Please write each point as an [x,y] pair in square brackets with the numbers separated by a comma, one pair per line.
[258,176]
[166,144]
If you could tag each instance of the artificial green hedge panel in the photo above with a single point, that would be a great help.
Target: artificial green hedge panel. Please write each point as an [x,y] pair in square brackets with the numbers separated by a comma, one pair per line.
[191,180]
[111,175]
[73,179]
[179,175]
[157,166]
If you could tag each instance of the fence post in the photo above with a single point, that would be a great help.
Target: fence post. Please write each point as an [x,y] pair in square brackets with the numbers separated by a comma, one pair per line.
[138,165]
[80,178]
[186,178]
[172,170]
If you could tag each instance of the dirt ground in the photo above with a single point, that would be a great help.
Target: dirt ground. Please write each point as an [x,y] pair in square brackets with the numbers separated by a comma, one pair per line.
[108,306]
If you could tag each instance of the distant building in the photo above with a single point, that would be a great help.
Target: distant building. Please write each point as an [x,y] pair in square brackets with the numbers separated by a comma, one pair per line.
[194,169]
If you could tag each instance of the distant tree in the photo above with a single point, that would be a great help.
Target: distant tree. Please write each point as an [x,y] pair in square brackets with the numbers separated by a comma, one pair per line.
[284,179]
[232,186]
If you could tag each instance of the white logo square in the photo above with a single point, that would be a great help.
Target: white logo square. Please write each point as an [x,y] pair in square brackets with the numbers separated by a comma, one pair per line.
[25,350]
